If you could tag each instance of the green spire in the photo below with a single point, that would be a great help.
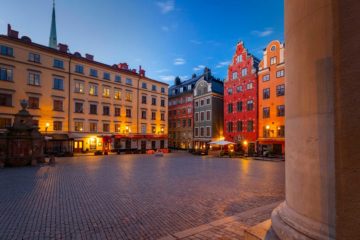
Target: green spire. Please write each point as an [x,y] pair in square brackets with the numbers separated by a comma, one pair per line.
[53,38]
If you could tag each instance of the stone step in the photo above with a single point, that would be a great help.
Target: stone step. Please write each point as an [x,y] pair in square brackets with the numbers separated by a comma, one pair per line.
[262,231]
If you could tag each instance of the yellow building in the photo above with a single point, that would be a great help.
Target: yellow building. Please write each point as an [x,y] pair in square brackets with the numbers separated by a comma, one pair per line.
[94,105]
[271,79]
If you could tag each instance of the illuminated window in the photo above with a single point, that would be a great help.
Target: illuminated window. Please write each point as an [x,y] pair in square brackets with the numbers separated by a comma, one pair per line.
[117,94]
[79,87]
[106,91]
[93,89]
[128,96]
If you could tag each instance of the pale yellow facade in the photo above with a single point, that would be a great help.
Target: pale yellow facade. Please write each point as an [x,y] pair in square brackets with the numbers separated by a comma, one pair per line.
[66,97]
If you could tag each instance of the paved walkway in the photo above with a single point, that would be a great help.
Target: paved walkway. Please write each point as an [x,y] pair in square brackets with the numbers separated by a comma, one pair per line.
[131,196]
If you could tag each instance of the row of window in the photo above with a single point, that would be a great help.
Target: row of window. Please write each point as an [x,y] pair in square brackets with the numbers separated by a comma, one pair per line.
[202,102]
[202,116]
[280,132]
[202,132]
[230,126]
[239,89]
[180,101]
[239,106]
[180,123]
[280,111]
[58,63]
[280,91]
[279,74]
[183,89]
[244,73]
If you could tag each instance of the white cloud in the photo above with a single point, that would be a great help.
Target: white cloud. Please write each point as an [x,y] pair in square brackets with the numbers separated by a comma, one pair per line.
[184,77]
[199,67]
[196,42]
[166,6]
[264,33]
[167,78]
[222,64]
[179,61]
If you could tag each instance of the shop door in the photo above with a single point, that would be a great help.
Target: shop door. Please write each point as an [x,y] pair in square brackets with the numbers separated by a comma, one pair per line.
[128,144]
[78,146]
[143,145]
[153,145]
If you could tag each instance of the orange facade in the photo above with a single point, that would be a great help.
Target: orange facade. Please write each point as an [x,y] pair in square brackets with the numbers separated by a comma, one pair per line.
[271,80]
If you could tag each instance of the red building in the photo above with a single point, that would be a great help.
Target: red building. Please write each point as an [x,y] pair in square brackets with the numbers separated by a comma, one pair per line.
[241,100]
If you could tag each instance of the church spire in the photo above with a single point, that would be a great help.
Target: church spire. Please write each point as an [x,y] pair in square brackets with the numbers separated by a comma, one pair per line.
[53,38]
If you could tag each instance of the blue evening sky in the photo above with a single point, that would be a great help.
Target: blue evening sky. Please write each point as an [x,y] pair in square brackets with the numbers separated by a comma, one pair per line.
[167,37]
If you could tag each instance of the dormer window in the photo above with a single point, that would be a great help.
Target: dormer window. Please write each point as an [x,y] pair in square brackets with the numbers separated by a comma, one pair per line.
[239,58]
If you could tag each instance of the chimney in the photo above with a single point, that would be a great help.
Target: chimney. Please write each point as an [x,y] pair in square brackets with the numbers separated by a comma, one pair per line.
[89,57]
[123,66]
[12,33]
[63,47]
[133,70]
[141,72]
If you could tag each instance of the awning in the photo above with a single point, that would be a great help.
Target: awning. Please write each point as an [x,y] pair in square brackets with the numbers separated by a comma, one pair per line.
[57,137]
[221,143]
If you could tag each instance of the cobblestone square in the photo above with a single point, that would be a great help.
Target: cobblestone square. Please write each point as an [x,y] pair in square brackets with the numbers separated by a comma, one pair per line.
[131,196]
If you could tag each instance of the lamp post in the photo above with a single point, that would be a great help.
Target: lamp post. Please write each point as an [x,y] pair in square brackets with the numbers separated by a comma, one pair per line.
[47,125]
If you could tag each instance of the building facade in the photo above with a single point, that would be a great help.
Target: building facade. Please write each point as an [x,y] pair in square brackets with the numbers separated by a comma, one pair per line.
[181,117]
[208,111]
[98,106]
[241,100]
[271,78]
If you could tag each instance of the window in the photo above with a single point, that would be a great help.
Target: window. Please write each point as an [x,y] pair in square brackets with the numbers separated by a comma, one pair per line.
[143,114]
[6,51]
[153,88]
[58,84]
[34,57]
[250,105]
[162,116]
[5,99]
[34,79]
[6,74]
[273,48]
[143,99]
[106,91]
[239,106]
[239,89]
[202,116]
[143,128]
[106,110]
[272,60]
[196,103]
[144,85]
[196,117]
[93,89]
[93,109]
[281,131]
[162,103]
[234,75]
[229,127]
[79,87]
[57,126]
[239,126]
[266,112]
[184,123]
[249,86]
[5,122]
[208,115]
[266,93]
[280,111]
[162,90]
[208,101]
[117,111]
[201,131]
[230,108]
[208,131]
[106,76]
[153,129]
[79,69]
[117,94]
[79,126]
[189,122]
[266,77]
[230,91]
[239,58]
[58,105]
[58,63]
[244,72]
[106,127]
[34,102]
[280,73]
[153,115]
[79,107]
[153,101]
[128,96]
[118,79]
[266,131]
[280,90]
[128,113]
[93,72]
[250,125]
[196,132]
[202,103]
[128,81]
[93,127]
[117,127]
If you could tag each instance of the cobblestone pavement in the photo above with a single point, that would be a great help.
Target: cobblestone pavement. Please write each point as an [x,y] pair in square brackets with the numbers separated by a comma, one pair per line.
[131,196]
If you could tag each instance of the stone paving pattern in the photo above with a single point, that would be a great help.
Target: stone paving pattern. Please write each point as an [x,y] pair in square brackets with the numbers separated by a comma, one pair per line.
[131,196]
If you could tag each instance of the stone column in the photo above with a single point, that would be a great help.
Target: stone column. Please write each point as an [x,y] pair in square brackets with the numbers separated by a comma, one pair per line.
[322,73]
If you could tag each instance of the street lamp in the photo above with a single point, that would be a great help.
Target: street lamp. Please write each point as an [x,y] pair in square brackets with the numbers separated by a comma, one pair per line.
[47,125]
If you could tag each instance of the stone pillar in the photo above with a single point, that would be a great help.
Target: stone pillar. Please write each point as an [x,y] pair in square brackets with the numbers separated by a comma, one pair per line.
[322,118]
